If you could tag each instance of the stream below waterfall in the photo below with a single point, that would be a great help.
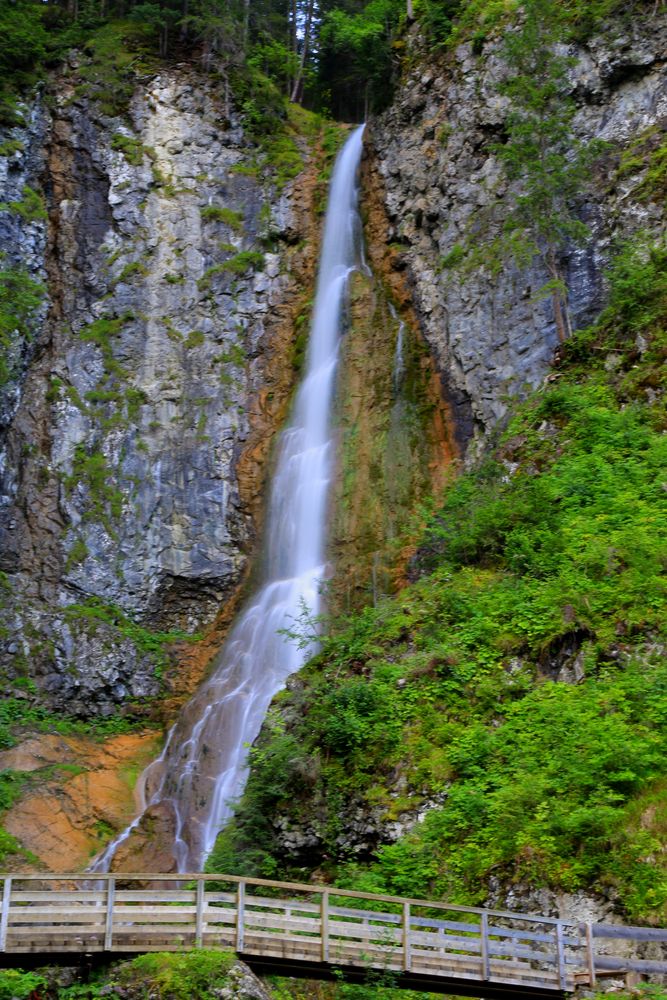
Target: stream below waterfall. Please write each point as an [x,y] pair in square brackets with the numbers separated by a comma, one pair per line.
[202,769]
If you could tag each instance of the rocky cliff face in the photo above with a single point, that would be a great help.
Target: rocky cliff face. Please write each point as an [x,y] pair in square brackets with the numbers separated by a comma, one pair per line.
[136,424]
[491,332]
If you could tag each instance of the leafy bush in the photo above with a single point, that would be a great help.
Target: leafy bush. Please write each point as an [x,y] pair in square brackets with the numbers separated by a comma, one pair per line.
[172,976]
[17,985]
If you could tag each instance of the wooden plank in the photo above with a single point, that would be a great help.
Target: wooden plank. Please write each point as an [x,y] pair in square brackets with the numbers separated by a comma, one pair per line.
[407,960]
[21,896]
[445,925]
[471,945]
[590,955]
[54,914]
[522,935]
[484,946]
[4,912]
[267,902]
[604,963]
[166,916]
[150,930]
[80,932]
[108,935]
[631,933]
[199,917]
[500,948]
[240,915]
[306,925]
[560,951]
[212,916]
[222,938]
[324,925]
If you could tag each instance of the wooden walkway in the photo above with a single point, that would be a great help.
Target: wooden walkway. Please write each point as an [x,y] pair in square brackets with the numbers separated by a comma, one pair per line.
[309,930]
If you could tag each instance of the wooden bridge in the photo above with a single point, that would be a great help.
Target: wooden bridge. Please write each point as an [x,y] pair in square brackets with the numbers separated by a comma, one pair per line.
[312,931]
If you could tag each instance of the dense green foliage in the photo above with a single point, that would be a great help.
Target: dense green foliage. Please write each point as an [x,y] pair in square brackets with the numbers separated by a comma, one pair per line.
[20,298]
[160,975]
[338,56]
[545,564]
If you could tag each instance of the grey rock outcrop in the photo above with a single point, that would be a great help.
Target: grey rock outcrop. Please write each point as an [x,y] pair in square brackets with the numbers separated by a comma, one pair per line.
[492,333]
[122,436]
[242,984]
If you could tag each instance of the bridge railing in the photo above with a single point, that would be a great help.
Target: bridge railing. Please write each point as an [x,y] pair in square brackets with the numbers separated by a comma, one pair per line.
[293,922]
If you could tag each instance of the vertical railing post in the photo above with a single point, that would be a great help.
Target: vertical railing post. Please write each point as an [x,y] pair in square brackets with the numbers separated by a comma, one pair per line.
[4,916]
[324,925]
[590,954]
[560,952]
[240,916]
[108,932]
[407,949]
[484,946]
[199,917]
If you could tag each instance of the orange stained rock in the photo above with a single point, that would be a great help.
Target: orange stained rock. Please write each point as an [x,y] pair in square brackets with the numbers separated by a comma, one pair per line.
[65,818]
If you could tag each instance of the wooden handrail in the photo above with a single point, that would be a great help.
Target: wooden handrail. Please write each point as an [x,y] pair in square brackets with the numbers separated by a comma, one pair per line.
[294,887]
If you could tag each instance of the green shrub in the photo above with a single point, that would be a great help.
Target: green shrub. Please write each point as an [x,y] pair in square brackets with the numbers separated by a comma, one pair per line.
[17,985]
[31,208]
[231,218]
[171,976]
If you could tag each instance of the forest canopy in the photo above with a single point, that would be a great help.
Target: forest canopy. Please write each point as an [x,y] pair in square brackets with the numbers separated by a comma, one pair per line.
[337,57]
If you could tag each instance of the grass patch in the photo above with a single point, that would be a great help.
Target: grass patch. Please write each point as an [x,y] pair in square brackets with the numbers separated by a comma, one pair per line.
[10,146]
[230,217]
[132,149]
[237,265]
[102,332]
[20,299]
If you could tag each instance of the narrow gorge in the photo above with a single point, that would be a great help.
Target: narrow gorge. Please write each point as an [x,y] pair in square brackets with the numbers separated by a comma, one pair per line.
[332,456]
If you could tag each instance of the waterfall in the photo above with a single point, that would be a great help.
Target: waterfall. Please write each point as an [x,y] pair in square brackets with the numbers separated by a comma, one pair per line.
[398,370]
[203,767]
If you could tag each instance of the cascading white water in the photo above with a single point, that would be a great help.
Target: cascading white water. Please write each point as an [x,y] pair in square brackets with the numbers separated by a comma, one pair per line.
[202,769]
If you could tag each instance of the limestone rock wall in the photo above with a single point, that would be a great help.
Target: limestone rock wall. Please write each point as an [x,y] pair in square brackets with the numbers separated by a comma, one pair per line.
[493,335]
[170,264]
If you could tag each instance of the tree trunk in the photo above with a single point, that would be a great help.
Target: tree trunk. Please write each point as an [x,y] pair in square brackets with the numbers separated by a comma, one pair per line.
[293,42]
[297,89]
[410,11]
[559,300]
[246,24]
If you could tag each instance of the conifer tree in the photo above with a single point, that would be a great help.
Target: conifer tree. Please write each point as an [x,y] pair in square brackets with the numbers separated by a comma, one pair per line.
[541,150]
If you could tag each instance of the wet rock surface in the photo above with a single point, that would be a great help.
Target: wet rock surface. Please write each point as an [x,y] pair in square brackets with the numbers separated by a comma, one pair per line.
[493,334]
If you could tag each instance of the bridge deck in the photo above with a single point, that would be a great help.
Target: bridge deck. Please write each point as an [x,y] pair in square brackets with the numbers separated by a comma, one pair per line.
[305,930]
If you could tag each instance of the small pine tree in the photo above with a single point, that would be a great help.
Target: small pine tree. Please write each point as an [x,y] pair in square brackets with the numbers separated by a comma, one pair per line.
[541,151]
